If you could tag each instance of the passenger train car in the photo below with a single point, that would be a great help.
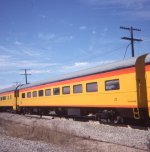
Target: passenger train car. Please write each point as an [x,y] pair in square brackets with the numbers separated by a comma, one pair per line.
[113,92]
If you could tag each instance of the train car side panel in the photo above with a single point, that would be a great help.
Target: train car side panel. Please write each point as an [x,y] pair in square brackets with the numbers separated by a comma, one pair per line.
[123,97]
[147,68]
[7,100]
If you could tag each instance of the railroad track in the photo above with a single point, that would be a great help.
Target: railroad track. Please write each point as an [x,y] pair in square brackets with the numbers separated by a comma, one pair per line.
[90,118]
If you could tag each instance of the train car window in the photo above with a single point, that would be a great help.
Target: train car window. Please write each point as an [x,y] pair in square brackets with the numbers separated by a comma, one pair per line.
[4,98]
[48,92]
[1,98]
[10,97]
[7,97]
[56,91]
[112,85]
[77,88]
[40,93]
[34,93]
[92,87]
[66,90]
[28,94]
[23,95]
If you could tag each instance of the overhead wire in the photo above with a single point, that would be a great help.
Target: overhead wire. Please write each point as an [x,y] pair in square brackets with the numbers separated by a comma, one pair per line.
[101,54]
[143,40]
[105,53]
[126,51]
[146,38]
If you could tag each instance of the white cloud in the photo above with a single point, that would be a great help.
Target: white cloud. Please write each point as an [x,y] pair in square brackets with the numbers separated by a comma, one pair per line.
[41,71]
[124,3]
[4,49]
[12,63]
[83,65]
[145,39]
[142,14]
[29,59]
[105,29]
[83,27]
[94,32]
[9,50]
[71,24]
[34,64]
[76,65]
[47,37]
[32,53]
[138,9]
[5,86]
[43,16]
[55,38]
[63,39]
[17,43]
[5,60]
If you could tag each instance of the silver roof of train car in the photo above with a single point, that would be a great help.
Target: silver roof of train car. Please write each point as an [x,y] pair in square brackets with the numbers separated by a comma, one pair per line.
[12,88]
[147,60]
[101,68]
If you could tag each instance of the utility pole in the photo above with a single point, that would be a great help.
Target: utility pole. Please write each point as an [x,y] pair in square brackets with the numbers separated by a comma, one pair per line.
[132,39]
[26,75]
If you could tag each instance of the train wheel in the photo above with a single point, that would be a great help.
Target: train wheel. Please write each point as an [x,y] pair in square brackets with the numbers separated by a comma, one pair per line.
[118,120]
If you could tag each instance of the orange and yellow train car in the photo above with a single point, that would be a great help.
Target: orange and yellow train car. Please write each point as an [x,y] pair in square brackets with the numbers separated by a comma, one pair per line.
[114,91]
[7,99]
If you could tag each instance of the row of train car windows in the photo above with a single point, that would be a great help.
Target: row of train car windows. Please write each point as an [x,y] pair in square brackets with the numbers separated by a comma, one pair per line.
[90,87]
[6,97]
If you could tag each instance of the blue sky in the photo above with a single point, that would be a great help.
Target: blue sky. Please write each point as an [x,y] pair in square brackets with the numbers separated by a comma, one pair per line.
[53,37]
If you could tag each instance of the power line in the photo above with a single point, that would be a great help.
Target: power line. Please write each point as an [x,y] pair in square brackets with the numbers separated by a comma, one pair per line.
[105,53]
[146,39]
[132,39]
[26,75]
[126,51]
[94,56]
[17,82]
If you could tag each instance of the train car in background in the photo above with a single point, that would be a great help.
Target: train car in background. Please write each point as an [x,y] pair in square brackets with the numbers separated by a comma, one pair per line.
[112,92]
[7,99]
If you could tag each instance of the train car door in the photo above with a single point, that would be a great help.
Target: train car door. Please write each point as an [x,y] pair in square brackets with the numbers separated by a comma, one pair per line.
[142,104]
[16,95]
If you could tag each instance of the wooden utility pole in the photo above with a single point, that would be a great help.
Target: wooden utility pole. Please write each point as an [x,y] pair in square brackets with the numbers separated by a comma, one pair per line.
[26,75]
[132,39]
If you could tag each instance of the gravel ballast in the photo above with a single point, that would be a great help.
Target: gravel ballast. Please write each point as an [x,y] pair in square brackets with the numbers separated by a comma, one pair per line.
[11,144]
[71,135]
